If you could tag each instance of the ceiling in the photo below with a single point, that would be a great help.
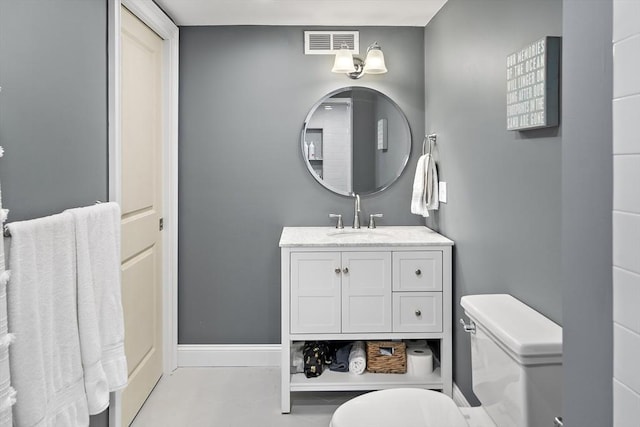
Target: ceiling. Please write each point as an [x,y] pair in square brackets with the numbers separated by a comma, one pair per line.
[403,13]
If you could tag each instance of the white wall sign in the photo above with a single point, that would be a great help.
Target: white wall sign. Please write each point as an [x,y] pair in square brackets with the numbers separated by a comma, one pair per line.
[532,85]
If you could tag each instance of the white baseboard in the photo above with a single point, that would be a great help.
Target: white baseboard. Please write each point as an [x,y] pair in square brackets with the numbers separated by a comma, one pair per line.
[201,355]
[458,397]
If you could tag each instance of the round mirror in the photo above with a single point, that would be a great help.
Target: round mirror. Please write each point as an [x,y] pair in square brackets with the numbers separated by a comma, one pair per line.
[356,140]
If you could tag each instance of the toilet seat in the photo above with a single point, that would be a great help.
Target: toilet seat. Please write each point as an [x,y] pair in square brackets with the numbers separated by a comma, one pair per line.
[407,407]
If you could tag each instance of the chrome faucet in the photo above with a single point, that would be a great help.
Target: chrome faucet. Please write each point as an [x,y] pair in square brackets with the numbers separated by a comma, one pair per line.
[356,212]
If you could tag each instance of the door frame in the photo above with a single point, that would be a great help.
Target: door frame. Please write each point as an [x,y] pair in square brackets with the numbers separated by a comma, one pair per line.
[149,13]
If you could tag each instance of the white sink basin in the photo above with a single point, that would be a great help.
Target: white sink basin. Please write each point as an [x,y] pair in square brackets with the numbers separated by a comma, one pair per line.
[362,232]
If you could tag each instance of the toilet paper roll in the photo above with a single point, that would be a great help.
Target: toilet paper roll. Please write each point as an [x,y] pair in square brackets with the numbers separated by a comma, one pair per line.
[416,343]
[419,361]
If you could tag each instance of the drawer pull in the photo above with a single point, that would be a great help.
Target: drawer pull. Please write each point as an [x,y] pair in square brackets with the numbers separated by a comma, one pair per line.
[418,312]
[418,272]
[345,270]
[337,270]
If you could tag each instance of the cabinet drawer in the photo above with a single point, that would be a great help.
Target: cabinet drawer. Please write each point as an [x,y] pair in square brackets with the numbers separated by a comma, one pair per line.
[417,271]
[417,312]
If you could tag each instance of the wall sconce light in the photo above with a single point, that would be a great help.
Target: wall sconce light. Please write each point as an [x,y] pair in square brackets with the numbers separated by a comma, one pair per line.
[355,67]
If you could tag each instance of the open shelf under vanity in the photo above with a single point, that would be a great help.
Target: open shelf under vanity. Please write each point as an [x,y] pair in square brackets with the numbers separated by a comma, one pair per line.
[341,381]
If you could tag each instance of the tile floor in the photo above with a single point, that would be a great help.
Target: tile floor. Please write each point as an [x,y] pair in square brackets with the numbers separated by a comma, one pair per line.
[232,397]
[244,397]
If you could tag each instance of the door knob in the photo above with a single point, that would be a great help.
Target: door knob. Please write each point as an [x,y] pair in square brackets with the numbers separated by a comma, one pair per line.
[418,312]
[345,270]
[337,270]
[418,272]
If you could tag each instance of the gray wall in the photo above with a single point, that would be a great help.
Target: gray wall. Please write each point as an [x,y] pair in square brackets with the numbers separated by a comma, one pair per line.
[587,184]
[244,94]
[504,209]
[53,107]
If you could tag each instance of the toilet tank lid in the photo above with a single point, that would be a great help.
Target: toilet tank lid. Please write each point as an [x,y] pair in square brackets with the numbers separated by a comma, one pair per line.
[519,327]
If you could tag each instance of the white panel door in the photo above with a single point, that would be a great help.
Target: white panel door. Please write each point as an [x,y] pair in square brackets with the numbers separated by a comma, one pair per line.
[141,209]
[315,292]
[366,292]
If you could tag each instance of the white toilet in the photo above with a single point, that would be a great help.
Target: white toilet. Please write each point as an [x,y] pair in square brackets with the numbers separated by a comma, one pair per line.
[516,357]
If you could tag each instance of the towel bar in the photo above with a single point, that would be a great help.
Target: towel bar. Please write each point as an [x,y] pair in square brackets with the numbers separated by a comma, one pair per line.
[7,233]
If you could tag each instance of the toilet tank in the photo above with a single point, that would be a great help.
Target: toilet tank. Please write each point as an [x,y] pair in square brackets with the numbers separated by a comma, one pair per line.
[516,358]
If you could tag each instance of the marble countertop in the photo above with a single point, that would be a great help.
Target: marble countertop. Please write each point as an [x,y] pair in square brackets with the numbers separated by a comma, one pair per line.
[381,236]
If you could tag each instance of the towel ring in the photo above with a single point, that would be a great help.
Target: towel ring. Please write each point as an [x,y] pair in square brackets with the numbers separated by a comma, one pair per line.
[432,140]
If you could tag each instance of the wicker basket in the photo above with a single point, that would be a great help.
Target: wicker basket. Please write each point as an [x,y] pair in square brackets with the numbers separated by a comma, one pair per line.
[387,357]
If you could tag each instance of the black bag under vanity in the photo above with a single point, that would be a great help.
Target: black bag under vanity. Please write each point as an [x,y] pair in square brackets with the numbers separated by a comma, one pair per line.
[316,354]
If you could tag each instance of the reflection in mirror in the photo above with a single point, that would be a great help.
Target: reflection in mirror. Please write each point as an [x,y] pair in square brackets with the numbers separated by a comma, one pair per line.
[356,140]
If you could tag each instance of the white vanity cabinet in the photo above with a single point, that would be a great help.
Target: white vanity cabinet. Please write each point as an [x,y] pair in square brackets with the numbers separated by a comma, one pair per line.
[390,283]
[334,292]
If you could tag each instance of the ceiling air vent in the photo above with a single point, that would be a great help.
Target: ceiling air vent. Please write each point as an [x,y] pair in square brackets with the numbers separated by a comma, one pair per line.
[328,42]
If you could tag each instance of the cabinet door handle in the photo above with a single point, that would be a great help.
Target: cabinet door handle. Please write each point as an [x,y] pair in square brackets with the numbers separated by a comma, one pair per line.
[418,272]
[418,312]
[337,270]
[345,270]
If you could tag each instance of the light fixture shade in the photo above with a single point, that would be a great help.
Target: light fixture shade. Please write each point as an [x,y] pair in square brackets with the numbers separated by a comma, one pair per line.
[374,64]
[343,62]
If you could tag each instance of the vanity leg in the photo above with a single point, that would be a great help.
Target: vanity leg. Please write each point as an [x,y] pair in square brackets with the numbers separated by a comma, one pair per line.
[285,377]
[286,403]
[446,343]
[285,347]
[446,366]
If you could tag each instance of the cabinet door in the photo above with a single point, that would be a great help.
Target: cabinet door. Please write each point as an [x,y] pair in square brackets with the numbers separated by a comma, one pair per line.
[417,271]
[315,292]
[366,292]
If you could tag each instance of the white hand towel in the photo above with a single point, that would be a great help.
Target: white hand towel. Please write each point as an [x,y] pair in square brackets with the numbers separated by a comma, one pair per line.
[432,200]
[100,315]
[46,368]
[357,358]
[425,187]
[418,205]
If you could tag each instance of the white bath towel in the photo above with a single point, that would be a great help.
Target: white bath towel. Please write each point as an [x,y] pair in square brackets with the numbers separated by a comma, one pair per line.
[357,358]
[425,186]
[46,368]
[100,316]
[7,393]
